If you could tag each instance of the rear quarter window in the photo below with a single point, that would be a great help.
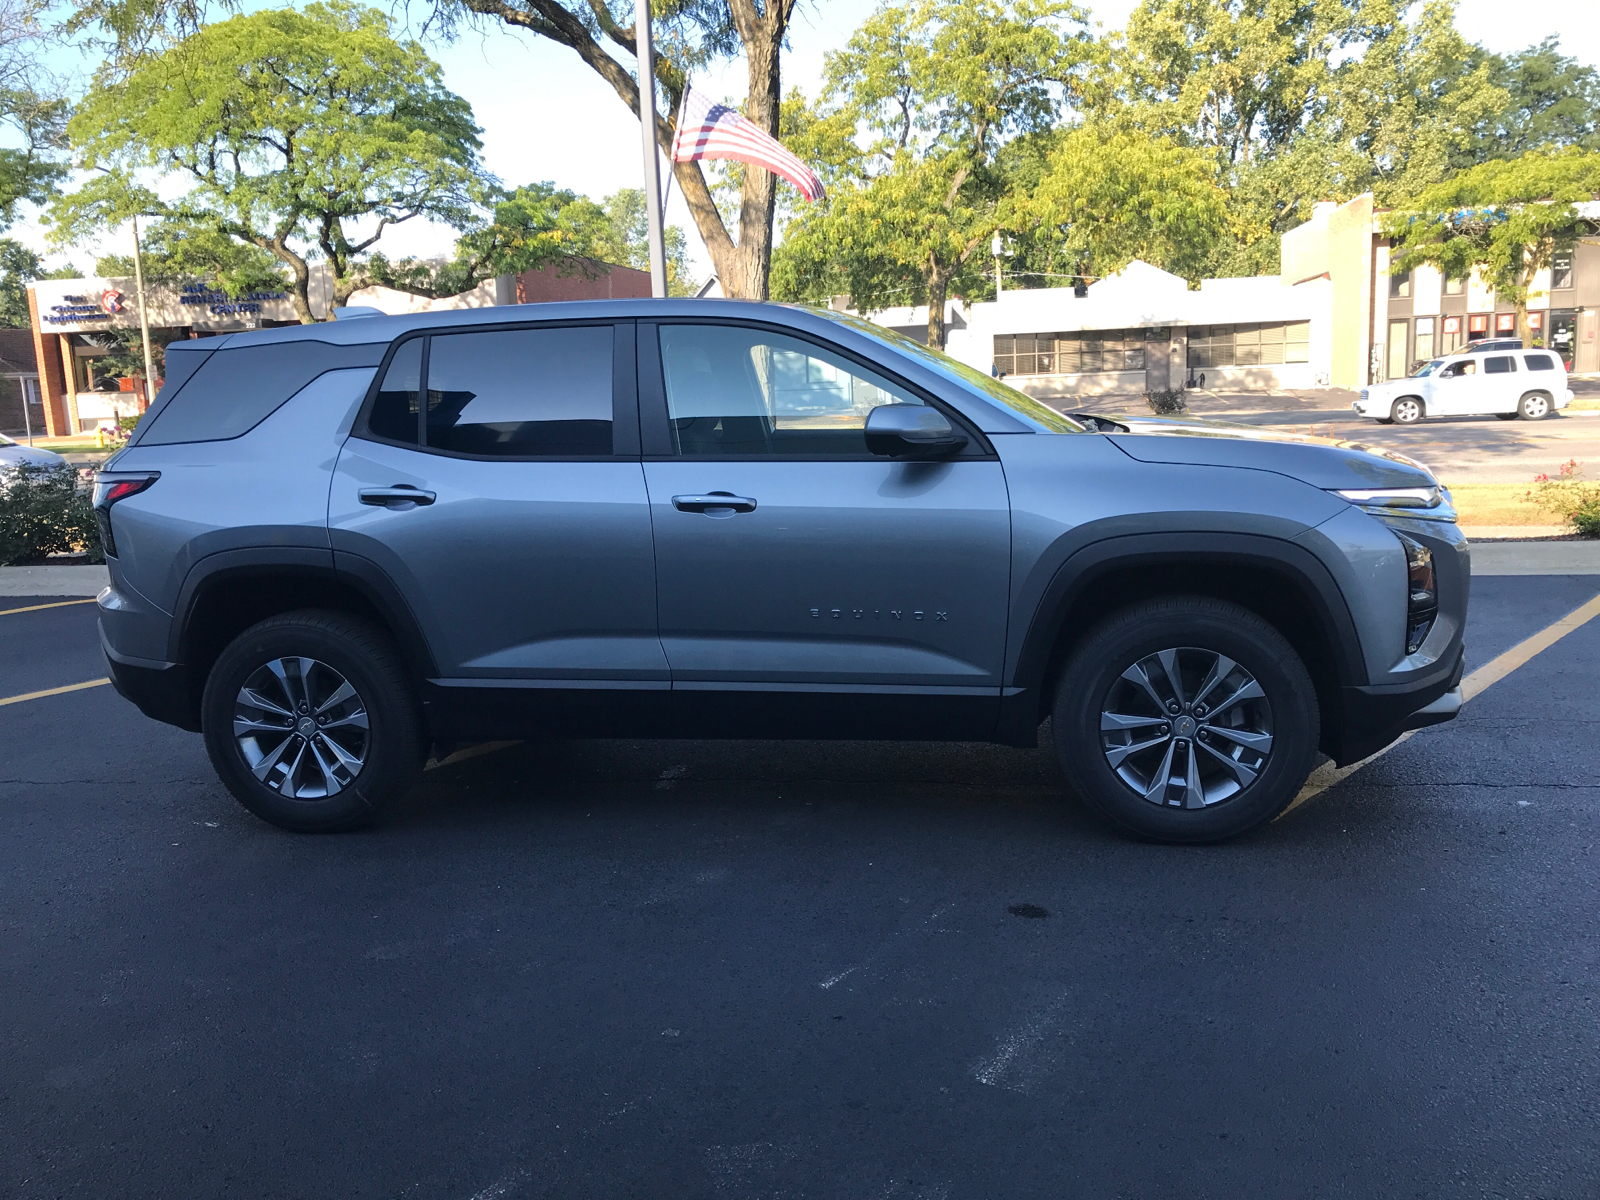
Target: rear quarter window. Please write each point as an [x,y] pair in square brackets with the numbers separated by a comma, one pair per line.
[1540,362]
[1501,365]
[233,391]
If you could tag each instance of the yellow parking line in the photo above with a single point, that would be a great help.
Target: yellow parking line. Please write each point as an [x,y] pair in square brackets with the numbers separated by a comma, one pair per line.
[1492,672]
[6,612]
[71,687]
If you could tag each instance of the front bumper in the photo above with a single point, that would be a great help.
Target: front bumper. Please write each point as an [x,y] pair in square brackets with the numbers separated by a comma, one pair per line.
[159,690]
[1374,715]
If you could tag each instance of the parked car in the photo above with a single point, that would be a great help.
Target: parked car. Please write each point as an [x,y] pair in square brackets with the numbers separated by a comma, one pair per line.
[14,453]
[1484,379]
[333,548]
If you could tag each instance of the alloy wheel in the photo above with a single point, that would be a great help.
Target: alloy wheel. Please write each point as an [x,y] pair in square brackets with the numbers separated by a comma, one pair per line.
[1186,728]
[302,728]
[1535,407]
[1407,411]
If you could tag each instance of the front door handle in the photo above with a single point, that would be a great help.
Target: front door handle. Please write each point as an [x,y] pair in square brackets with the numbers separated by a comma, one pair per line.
[401,495]
[715,504]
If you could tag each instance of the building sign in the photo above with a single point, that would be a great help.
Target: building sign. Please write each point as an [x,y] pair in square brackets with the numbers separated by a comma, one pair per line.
[1452,324]
[219,304]
[75,309]
[95,305]
[1535,320]
[1505,322]
[1478,324]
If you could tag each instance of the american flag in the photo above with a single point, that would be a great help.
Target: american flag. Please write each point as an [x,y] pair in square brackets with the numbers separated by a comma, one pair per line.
[708,130]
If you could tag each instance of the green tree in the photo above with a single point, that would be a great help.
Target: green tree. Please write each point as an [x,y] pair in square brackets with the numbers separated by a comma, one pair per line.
[32,109]
[1507,218]
[628,240]
[294,131]
[689,34]
[1108,198]
[177,251]
[1552,101]
[19,266]
[938,86]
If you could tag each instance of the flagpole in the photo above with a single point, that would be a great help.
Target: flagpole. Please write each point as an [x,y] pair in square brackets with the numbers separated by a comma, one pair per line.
[647,126]
[144,320]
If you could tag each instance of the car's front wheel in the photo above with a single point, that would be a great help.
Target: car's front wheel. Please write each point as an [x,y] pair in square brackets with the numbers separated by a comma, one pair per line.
[1535,406]
[1407,410]
[1187,719]
[310,720]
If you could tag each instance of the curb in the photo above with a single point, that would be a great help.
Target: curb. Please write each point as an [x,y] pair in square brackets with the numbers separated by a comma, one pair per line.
[53,581]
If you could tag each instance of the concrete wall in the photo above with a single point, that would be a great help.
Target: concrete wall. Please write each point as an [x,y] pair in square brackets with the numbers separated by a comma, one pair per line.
[1351,268]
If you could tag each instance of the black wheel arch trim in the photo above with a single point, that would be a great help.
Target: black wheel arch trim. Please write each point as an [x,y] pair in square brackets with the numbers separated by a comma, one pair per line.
[340,567]
[1021,706]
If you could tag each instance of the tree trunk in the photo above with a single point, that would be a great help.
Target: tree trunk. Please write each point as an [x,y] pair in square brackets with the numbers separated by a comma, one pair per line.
[938,282]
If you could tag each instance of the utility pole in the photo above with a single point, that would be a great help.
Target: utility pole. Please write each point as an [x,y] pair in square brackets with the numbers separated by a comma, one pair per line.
[144,320]
[998,246]
[647,127]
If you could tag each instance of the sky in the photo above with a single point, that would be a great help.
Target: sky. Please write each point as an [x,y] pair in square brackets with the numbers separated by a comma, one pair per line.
[546,116]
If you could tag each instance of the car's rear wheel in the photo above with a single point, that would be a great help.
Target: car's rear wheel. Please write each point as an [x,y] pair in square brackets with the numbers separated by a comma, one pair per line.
[1186,720]
[311,722]
[1535,406]
[1407,410]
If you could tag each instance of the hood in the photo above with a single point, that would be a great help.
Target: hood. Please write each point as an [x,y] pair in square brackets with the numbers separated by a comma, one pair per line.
[10,456]
[1323,462]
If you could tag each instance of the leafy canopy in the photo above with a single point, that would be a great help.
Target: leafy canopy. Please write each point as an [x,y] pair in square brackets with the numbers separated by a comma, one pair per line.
[292,130]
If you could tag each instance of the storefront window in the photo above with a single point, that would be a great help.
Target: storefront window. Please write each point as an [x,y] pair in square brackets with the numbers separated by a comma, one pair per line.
[1424,349]
[1478,326]
[1455,286]
[1070,353]
[1400,286]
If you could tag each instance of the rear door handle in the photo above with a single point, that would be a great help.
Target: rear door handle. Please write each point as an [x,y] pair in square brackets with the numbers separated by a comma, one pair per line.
[715,504]
[401,495]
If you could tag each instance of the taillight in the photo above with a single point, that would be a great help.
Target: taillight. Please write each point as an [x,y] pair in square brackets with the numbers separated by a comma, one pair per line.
[108,489]
[1422,593]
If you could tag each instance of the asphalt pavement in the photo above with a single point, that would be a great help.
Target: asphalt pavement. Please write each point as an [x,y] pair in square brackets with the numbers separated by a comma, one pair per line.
[589,969]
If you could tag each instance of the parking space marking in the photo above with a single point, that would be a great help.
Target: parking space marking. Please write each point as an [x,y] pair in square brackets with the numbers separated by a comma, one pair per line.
[6,612]
[1475,684]
[71,687]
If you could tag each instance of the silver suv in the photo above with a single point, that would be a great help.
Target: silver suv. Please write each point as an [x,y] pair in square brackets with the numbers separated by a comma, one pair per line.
[335,549]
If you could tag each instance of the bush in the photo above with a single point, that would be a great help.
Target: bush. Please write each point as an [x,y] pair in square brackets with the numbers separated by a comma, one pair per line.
[1570,497]
[44,511]
[1168,403]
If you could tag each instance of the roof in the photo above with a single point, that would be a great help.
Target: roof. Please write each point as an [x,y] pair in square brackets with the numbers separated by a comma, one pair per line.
[357,331]
[16,352]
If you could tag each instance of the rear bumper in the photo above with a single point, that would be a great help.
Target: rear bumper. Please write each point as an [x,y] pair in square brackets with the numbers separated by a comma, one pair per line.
[1374,716]
[159,690]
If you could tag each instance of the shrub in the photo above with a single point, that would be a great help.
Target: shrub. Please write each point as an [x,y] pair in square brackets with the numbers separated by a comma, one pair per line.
[1167,403]
[1571,497]
[44,511]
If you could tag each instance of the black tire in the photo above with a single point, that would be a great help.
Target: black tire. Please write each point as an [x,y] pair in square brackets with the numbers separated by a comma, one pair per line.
[1384,420]
[391,748]
[1195,626]
[1510,416]
[1534,406]
[1407,410]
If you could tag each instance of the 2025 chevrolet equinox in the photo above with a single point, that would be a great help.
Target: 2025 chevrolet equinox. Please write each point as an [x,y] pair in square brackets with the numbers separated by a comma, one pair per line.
[337,547]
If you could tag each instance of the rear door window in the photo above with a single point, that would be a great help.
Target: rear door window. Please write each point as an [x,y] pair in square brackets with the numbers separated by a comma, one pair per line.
[1502,364]
[501,393]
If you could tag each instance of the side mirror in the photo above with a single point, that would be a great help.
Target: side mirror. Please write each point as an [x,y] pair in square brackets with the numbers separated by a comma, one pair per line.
[911,431]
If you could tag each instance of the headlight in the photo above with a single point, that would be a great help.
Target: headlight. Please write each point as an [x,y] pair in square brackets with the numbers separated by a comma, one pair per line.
[1417,497]
[1363,393]
[1422,592]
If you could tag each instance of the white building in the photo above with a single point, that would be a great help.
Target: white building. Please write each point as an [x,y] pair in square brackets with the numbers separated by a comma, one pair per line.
[1144,329]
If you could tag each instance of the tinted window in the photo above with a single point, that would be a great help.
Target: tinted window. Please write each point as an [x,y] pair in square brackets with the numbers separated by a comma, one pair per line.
[235,390]
[521,392]
[394,412]
[1499,366]
[742,393]
[1540,362]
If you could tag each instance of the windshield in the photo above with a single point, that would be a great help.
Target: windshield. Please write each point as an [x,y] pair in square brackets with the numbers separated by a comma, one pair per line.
[1427,368]
[1043,418]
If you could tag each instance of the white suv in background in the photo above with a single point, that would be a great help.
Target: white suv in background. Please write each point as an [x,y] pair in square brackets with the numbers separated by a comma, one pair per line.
[1507,382]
